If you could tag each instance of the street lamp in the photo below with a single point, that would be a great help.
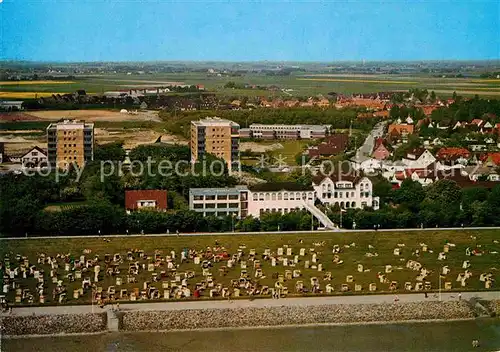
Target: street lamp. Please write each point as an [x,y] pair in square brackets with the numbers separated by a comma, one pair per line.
[440,286]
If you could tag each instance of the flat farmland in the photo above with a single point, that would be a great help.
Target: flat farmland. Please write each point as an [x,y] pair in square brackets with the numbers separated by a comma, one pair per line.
[373,250]
[296,84]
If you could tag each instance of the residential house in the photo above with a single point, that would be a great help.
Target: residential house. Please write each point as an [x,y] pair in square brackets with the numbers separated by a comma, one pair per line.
[496,129]
[419,158]
[432,173]
[453,154]
[380,151]
[383,114]
[333,145]
[443,125]
[427,109]
[491,159]
[366,164]
[478,147]
[477,122]
[478,172]
[394,136]
[145,199]
[323,103]
[36,157]
[403,129]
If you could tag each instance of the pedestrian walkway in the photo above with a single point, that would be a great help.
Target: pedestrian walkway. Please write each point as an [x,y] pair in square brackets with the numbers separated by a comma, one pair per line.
[261,303]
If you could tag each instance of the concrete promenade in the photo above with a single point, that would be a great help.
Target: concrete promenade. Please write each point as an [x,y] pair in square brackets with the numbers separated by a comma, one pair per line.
[346,231]
[260,303]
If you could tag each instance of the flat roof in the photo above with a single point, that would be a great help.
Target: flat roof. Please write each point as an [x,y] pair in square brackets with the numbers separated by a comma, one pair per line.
[217,190]
[70,124]
[280,186]
[214,121]
[253,125]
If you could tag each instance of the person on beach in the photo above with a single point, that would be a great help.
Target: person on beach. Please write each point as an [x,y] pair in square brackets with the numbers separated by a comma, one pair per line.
[459,296]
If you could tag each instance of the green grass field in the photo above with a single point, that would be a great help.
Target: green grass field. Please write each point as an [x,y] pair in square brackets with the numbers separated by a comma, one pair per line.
[300,84]
[322,243]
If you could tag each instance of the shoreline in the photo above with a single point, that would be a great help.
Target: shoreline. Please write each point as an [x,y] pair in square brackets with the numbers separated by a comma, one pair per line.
[252,315]
[234,328]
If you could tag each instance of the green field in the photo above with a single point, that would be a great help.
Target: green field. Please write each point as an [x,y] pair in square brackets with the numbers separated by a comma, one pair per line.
[299,84]
[353,251]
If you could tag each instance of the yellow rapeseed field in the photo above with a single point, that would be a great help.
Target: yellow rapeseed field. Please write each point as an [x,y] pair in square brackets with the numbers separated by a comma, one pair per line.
[355,80]
[15,83]
[26,95]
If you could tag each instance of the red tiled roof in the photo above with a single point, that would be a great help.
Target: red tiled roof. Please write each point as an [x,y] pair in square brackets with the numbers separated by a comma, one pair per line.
[491,157]
[383,113]
[338,139]
[133,196]
[452,153]
[381,152]
[401,128]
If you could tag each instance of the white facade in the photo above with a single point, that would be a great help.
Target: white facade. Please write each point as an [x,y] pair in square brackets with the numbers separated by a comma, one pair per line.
[286,131]
[368,165]
[423,161]
[282,201]
[219,201]
[34,158]
[347,194]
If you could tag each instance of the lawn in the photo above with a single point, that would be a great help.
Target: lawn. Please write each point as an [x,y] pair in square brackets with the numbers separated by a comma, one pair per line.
[353,251]
[290,150]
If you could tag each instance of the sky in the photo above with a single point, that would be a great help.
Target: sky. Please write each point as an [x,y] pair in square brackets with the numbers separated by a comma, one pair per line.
[134,30]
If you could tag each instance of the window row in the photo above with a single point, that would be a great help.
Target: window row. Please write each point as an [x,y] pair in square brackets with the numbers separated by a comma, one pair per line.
[219,197]
[283,196]
[338,195]
[279,210]
[215,205]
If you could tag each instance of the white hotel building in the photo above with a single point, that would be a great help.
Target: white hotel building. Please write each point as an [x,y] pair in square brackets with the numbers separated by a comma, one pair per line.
[346,192]
[242,201]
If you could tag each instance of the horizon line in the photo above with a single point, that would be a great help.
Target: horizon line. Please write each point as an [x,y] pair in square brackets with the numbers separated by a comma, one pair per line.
[254,61]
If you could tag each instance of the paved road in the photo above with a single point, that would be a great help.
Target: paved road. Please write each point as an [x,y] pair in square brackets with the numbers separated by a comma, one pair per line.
[260,303]
[366,149]
[260,233]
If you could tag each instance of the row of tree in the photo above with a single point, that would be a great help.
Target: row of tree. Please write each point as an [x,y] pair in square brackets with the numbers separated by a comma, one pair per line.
[179,122]
[441,204]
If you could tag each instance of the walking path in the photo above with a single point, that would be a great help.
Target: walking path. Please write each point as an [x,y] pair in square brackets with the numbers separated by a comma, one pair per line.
[259,233]
[261,303]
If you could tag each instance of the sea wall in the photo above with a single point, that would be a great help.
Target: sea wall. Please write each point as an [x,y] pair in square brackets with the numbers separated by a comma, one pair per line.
[52,324]
[293,315]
